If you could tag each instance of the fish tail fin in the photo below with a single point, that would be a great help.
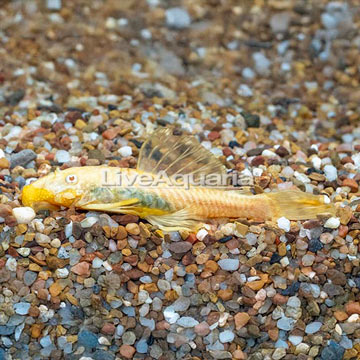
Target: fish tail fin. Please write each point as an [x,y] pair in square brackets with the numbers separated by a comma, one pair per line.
[297,205]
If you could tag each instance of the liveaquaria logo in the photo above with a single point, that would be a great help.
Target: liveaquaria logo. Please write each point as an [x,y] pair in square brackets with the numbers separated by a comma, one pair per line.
[183,181]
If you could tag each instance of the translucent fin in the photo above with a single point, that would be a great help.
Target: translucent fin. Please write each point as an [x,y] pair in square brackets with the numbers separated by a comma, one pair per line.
[297,205]
[177,155]
[179,220]
[112,207]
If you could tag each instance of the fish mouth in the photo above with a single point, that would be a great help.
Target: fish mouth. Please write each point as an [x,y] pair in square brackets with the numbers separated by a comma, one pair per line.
[38,198]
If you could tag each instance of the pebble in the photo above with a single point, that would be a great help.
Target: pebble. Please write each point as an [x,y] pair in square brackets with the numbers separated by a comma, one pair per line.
[332,352]
[62,273]
[177,18]
[308,260]
[82,269]
[332,223]
[22,158]
[241,319]
[187,322]
[88,339]
[24,215]
[180,247]
[11,264]
[128,338]
[226,336]
[127,351]
[170,315]
[181,304]
[62,156]
[142,346]
[284,224]
[278,353]
[229,264]
[29,277]
[22,308]
[53,4]
[330,172]
[285,323]
[125,151]
[313,327]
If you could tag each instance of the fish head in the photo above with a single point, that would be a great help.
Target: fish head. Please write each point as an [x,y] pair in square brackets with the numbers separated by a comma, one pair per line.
[60,188]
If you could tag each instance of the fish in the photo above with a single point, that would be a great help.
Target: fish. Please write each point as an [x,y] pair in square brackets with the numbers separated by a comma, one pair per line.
[177,185]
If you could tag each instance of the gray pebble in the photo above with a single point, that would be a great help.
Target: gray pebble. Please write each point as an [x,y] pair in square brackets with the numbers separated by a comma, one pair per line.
[22,158]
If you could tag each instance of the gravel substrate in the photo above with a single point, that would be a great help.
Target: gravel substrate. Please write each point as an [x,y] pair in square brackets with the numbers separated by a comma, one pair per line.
[269,87]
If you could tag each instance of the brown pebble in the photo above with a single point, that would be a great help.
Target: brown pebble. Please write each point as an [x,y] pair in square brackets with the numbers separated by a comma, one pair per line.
[213,135]
[211,266]
[35,330]
[352,307]
[202,329]
[5,210]
[133,229]
[340,315]
[81,269]
[239,355]
[352,184]
[108,329]
[241,319]
[279,299]
[225,294]
[127,351]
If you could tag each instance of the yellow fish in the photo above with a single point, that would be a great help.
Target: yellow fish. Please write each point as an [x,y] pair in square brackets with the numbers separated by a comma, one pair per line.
[177,185]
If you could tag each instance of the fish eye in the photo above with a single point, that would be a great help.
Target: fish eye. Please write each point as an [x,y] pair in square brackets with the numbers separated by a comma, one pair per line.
[71,179]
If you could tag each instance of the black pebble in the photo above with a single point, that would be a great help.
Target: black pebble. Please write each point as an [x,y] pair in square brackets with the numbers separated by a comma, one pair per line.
[291,290]
[137,143]
[225,239]
[233,144]
[275,258]
[150,340]
[112,107]
[315,245]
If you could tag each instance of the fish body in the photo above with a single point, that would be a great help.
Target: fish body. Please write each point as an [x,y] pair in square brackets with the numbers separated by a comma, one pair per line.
[156,192]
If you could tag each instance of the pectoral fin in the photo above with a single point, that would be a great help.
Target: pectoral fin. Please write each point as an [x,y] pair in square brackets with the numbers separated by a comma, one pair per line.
[118,207]
[179,220]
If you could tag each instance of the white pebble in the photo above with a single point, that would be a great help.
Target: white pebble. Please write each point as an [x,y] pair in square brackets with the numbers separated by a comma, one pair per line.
[201,234]
[125,151]
[104,341]
[268,153]
[107,266]
[229,264]
[316,161]
[96,263]
[226,336]
[177,18]
[353,318]
[302,177]
[284,261]
[62,273]
[24,251]
[24,215]
[330,172]
[11,264]
[284,224]
[170,315]
[62,156]
[332,223]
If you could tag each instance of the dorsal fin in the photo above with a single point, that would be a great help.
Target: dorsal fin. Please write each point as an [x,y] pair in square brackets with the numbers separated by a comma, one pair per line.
[177,155]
